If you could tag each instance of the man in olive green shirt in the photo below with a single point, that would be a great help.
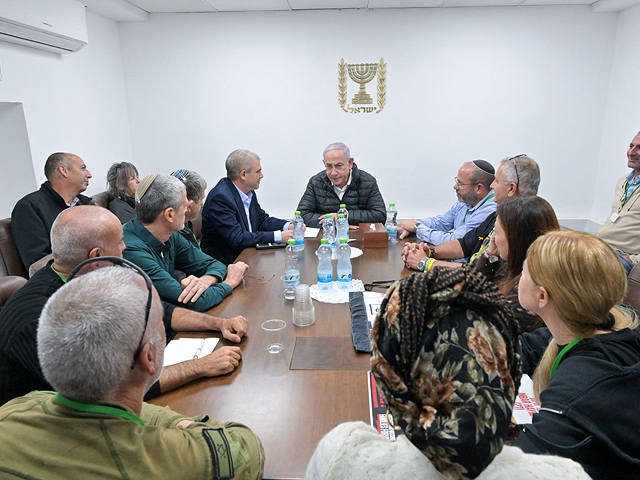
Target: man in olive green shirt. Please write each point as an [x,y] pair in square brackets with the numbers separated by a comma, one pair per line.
[101,345]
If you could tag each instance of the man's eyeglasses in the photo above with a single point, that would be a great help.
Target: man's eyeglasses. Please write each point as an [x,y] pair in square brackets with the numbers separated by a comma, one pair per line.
[121,262]
[459,184]
[515,166]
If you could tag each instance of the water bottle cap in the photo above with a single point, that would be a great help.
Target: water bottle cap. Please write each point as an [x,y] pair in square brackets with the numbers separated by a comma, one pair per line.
[343,205]
[392,204]
[291,241]
[344,240]
[328,215]
[297,212]
[341,215]
[324,240]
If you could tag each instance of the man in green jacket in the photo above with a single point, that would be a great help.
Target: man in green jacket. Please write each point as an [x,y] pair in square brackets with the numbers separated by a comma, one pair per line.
[154,244]
[96,426]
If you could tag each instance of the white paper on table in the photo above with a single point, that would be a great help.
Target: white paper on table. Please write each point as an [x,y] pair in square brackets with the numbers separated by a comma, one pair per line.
[311,232]
[372,300]
[185,349]
[525,405]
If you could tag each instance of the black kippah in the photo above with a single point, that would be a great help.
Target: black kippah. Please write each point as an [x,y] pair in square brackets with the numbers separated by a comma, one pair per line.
[485,166]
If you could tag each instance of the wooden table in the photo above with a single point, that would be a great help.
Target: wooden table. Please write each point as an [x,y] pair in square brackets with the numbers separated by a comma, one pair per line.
[290,410]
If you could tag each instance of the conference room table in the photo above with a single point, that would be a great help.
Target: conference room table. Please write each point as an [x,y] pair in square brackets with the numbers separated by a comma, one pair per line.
[290,400]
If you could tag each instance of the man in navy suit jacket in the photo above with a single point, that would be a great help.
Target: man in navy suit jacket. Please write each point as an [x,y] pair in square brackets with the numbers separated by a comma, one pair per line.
[232,218]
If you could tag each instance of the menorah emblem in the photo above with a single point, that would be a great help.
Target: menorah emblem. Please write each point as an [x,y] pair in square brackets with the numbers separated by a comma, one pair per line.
[362,73]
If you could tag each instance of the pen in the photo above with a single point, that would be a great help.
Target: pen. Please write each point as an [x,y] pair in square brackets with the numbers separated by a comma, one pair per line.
[199,349]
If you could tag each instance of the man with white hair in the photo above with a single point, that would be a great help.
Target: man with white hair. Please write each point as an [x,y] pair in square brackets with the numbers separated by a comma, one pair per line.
[342,182]
[96,424]
[79,234]
[32,217]
[154,244]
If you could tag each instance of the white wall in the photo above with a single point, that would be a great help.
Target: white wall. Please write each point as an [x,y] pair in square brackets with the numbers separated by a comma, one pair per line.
[622,120]
[462,84]
[74,103]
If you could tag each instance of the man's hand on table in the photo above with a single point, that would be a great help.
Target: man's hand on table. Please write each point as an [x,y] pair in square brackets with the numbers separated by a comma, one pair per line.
[194,287]
[406,227]
[221,361]
[234,329]
[334,216]
[286,235]
[235,272]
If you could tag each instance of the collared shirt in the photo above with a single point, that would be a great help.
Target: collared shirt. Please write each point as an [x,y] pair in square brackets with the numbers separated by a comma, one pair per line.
[340,191]
[633,182]
[246,201]
[455,223]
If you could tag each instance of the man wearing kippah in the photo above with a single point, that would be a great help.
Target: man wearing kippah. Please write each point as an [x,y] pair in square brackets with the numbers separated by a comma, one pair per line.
[475,203]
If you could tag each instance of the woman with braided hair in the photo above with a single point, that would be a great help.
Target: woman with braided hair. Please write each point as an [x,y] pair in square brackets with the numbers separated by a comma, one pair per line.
[587,379]
[446,358]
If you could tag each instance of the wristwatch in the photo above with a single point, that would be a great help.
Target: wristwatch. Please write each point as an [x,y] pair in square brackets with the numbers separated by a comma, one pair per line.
[422,264]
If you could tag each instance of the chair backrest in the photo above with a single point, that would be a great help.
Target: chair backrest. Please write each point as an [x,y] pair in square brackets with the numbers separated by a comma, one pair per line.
[101,199]
[9,255]
[8,286]
[632,297]
[39,264]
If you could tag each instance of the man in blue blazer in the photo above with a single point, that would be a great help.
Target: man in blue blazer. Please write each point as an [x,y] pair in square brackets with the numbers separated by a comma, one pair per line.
[232,218]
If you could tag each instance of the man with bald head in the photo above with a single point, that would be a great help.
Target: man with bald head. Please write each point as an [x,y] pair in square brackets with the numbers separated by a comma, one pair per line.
[32,217]
[79,234]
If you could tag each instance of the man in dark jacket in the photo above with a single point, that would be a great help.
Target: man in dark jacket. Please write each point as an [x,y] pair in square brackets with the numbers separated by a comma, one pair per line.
[232,218]
[342,182]
[32,217]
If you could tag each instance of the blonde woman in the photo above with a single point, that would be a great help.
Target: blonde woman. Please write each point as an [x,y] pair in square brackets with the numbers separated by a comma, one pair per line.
[587,379]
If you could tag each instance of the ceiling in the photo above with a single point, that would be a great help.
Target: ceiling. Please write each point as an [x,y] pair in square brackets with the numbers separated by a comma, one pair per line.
[139,10]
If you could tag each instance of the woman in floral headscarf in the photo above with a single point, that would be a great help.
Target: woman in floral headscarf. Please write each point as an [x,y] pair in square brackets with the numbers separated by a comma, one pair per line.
[445,357]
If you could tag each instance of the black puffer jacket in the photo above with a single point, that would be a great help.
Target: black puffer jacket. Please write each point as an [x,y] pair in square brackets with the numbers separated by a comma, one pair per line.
[362,197]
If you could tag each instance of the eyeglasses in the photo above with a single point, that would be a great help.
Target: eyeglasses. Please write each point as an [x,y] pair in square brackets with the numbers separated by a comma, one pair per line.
[121,262]
[180,174]
[245,279]
[515,166]
[379,284]
[455,179]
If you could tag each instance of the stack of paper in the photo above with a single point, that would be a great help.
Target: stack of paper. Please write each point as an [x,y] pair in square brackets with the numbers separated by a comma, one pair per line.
[185,349]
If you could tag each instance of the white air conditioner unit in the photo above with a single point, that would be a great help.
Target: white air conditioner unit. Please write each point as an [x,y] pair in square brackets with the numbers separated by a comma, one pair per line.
[58,26]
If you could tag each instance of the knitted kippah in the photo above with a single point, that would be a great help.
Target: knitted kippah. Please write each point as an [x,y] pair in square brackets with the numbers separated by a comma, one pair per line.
[485,166]
[180,174]
[144,185]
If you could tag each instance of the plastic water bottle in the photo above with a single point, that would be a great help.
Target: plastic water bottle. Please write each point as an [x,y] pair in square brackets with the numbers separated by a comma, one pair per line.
[291,269]
[343,209]
[392,223]
[344,264]
[325,267]
[342,227]
[298,231]
[329,231]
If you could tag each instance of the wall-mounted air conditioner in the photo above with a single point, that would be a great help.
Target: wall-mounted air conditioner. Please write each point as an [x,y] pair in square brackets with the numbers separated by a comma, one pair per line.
[58,26]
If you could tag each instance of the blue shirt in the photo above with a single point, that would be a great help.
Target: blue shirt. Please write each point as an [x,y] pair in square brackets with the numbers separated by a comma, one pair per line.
[246,201]
[633,183]
[456,222]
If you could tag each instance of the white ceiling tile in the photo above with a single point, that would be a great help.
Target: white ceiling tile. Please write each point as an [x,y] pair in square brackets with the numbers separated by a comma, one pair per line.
[558,2]
[482,3]
[405,3]
[248,5]
[326,4]
[173,6]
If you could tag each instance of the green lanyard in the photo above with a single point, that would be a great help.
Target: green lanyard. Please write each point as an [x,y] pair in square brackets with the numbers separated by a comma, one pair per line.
[556,362]
[103,409]
[64,280]
[625,199]
[464,219]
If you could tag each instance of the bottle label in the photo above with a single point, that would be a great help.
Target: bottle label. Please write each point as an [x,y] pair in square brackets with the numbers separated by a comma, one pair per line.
[344,277]
[300,241]
[292,279]
[392,229]
[325,277]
